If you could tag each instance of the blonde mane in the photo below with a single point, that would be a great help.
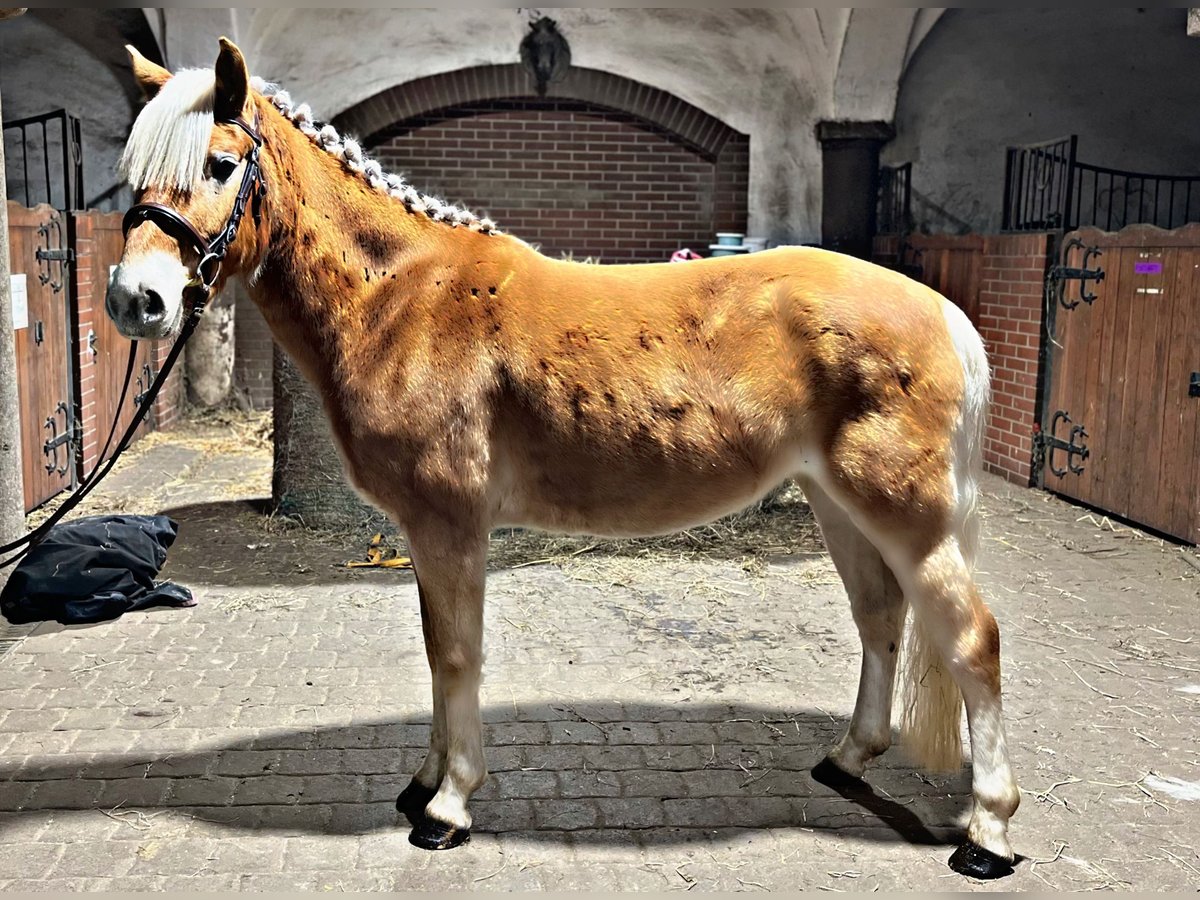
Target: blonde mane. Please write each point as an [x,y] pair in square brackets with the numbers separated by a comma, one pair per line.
[168,145]
[169,140]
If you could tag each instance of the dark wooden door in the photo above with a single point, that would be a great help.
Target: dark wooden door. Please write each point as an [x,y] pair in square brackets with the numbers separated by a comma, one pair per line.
[1119,374]
[44,351]
[950,264]
[106,352]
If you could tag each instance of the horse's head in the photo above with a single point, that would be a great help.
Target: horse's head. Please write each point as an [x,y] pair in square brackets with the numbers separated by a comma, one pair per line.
[185,154]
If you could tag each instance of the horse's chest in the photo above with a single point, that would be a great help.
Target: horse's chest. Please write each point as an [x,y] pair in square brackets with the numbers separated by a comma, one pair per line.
[408,447]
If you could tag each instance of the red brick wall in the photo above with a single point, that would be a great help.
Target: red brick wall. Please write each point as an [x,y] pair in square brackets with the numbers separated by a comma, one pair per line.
[86,289]
[1010,321]
[169,404]
[574,177]
[252,353]
[97,246]
[1009,318]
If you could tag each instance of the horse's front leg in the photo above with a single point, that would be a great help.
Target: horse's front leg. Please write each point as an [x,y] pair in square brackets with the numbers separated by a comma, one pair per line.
[450,561]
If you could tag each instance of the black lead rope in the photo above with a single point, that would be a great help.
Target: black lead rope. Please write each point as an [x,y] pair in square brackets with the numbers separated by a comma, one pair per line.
[207,271]
[103,467]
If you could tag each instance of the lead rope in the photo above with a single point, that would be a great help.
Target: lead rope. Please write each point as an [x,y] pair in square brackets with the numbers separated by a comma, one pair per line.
[102,467]
[250,191]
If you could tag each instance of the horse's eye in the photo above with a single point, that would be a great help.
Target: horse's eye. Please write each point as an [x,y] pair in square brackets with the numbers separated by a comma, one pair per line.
[223,166]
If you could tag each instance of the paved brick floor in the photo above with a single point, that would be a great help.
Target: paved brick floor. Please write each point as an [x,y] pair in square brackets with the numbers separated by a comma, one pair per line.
[650,719]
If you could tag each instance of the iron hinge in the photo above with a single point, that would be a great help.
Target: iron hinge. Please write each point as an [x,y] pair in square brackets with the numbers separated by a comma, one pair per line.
[59,254]
[1045,443]
[57,439]
[144,380]
[51,250]
[1059,275]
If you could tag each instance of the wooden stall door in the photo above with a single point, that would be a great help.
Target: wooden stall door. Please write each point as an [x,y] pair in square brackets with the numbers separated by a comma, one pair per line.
[44,352]
[1120,372]
[950,264]
[109,350]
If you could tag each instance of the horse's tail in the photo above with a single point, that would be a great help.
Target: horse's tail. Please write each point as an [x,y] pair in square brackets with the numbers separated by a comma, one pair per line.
[931,703]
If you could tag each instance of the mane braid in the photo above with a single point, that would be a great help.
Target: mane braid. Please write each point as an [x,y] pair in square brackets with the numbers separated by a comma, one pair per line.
[351,154]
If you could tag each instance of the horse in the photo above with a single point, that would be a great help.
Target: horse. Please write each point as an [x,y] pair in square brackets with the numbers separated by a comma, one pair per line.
[471,383]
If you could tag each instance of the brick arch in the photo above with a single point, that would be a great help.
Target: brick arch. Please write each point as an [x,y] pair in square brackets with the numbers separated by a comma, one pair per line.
[600,167]
[704,133]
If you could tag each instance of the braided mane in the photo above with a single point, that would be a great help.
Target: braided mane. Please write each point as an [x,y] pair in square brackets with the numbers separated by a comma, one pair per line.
[169,142]
[350,152]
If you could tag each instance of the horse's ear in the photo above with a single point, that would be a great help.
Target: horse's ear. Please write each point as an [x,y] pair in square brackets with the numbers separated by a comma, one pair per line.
[233,82]
[150,75]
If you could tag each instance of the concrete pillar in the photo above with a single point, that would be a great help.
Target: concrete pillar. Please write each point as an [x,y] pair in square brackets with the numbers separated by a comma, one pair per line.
[12,485]
[850,183]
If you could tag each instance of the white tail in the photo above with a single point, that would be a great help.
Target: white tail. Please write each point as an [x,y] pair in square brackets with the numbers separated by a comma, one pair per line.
[930,702]
[930,706]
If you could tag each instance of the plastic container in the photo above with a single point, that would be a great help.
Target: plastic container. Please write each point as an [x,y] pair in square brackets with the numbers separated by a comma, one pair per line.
[729,238]
[726,249]
[754,244]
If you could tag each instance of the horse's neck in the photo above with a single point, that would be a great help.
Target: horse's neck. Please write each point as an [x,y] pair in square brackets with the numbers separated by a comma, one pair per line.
[333,242]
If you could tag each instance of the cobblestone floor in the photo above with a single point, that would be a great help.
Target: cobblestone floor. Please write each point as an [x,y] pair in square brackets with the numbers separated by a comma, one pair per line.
[649,726]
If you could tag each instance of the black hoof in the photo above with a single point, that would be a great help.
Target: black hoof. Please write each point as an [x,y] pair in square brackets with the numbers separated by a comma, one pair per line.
[413,800]
[828,773]
[429,834]
[973,861]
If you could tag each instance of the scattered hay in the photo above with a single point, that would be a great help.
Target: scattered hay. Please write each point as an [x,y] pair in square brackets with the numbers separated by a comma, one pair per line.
[782,525]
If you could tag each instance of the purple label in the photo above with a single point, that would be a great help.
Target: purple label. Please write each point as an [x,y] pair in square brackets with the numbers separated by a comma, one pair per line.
[1147,268]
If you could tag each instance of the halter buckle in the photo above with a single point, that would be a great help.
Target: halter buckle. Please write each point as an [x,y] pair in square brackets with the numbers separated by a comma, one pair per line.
[203,280]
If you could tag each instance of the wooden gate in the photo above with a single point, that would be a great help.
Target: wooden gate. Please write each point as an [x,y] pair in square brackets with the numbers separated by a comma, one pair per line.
[1121,427]
[950,264]
[105,351]
[41,279]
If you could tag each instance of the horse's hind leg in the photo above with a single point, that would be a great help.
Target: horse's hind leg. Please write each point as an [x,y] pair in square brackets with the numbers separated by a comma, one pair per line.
[877,604]
[952,615]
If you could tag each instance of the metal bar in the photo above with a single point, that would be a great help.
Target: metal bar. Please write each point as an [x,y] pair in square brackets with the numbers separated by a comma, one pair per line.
[1066,213]
[1108,223]
[1095,194]
[67,167]
[77,152]
[1026,161]
[46,162]
[25,164]
[1006,222]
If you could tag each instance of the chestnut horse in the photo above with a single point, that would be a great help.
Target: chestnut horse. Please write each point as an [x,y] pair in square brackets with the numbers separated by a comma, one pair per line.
[473,383]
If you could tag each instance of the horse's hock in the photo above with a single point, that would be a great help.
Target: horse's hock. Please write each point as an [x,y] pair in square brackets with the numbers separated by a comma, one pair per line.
[309,482]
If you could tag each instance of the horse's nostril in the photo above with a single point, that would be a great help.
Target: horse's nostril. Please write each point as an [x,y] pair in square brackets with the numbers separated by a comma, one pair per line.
[153,307]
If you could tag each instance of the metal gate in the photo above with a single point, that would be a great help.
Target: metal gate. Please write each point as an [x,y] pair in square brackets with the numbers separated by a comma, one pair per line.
[1121,419]
[40,261]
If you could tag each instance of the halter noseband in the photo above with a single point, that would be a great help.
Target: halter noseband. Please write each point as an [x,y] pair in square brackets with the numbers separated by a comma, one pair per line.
[177,226]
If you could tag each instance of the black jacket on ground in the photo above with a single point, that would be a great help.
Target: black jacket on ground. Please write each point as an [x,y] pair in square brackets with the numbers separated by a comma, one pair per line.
[94,569]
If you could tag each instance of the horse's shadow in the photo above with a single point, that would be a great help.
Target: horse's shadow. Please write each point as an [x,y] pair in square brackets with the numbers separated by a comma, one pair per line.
[595,771]
[227,542]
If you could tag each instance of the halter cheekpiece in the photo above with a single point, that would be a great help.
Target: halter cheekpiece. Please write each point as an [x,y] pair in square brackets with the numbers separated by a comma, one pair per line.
[212,252]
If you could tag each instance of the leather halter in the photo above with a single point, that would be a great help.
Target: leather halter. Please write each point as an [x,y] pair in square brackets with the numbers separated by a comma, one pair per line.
[175,224]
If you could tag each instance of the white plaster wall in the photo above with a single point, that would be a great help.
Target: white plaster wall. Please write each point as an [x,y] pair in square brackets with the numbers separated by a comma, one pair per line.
[770,73]
[41,71]
[1126,81]
[763,72]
